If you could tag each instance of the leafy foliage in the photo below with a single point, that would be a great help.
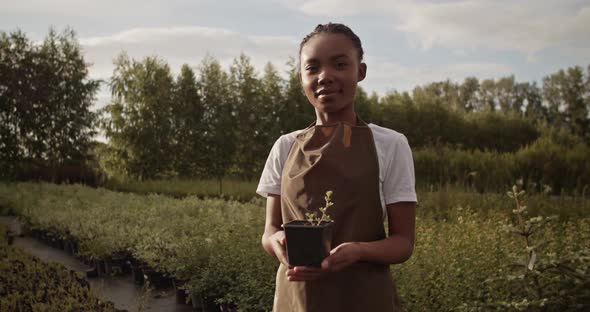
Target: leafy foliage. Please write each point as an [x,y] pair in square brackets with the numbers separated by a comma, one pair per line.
[45,100]
[29,284]
[213,245]
[540,281]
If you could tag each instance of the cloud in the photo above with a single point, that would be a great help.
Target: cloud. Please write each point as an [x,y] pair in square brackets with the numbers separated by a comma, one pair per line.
[526,26]
[383,75]
[179,45]
[85,8]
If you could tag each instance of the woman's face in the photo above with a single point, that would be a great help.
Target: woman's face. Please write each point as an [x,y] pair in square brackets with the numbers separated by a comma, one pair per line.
[330,70]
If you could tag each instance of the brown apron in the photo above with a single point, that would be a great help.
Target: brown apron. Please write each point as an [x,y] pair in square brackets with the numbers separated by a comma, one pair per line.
[341,158]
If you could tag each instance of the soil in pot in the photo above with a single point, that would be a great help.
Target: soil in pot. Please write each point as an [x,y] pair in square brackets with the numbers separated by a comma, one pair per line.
[307,244]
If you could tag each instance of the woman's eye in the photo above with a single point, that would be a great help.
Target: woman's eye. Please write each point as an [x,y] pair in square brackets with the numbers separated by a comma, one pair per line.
[311,68]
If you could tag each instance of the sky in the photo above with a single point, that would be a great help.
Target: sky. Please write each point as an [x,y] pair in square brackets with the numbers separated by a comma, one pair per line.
[407,43]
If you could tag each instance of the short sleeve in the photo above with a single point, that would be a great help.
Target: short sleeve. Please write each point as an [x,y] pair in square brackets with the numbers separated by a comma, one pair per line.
[399,180]
[270,179]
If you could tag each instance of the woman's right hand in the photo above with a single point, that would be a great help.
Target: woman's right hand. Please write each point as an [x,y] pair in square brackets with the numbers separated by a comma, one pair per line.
[278,244]
[273,239]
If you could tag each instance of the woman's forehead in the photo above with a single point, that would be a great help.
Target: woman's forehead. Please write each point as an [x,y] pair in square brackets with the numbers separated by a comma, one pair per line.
[328,46]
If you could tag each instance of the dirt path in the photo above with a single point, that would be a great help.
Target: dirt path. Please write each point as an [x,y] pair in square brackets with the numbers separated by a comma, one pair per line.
[120,290]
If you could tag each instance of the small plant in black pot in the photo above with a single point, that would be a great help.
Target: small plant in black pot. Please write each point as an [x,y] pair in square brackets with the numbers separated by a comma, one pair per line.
[309,241]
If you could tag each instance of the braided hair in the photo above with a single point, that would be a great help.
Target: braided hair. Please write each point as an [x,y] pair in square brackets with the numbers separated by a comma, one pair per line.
[335,28]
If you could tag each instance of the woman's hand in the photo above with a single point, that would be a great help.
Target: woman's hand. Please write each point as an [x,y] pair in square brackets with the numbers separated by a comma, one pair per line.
[273,239]
[277,242]
[342,257]
[304,273]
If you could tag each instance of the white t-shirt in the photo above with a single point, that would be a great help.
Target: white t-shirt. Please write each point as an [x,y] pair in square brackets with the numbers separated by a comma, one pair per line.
[396,166]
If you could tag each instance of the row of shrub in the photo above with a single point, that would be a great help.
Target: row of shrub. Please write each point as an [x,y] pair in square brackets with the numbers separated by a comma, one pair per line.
[555,160]
[228,189]
[428,124]
[29,284]
[212,247]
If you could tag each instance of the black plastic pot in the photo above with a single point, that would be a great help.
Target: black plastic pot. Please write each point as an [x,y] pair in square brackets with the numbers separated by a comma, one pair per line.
[10,239]
[100,267]
[92,269]
[137,272]
[119,264]
[181,295]
[70,246]
[108,267]
[198,302]
[157,279]
[307,244]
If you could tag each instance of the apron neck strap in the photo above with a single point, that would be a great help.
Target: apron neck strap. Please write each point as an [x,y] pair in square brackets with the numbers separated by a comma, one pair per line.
[359,123]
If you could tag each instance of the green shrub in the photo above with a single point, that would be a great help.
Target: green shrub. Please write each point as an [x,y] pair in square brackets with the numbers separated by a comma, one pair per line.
[214,245]
[29,284]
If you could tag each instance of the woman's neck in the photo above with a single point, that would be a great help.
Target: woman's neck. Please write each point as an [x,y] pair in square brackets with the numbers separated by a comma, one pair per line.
[348,117]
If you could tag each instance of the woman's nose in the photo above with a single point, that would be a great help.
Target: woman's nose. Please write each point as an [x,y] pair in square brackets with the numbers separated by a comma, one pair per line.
[325,76]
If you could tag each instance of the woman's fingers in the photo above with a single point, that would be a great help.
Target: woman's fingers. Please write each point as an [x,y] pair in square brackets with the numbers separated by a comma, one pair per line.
[341,257]
[278,243]
[301,273]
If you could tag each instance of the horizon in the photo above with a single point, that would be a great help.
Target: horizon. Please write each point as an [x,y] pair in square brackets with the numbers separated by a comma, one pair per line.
[407,43]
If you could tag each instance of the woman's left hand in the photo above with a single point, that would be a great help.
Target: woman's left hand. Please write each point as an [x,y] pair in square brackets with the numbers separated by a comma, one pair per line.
[304,273]
[342,256]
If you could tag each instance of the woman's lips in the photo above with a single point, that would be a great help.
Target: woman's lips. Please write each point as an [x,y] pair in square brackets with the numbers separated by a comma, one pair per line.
[326,92]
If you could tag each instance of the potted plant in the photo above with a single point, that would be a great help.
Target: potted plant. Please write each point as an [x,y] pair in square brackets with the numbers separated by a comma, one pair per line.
[309,241]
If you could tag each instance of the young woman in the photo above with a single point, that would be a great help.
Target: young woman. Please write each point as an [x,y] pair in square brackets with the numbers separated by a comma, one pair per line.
[370,171]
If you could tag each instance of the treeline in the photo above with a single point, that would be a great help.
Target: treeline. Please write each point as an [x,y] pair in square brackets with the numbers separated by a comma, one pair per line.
[212,122]
[45,103]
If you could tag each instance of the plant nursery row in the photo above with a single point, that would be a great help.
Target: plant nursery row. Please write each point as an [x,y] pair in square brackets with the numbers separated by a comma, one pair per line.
[29,284]
[464,258]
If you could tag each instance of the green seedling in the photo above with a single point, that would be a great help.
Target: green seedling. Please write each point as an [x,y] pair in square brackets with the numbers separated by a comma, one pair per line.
[314,219]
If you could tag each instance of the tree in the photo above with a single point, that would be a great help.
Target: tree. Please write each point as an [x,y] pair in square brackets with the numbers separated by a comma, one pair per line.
[299,113]
[45,100]
[188,125]
[534,109]
[273,93]
[567,95]
[246,91]
[273,118]
[365,105]
[139,121]
[444,93]
[487,100]
[219,136]
[468,93]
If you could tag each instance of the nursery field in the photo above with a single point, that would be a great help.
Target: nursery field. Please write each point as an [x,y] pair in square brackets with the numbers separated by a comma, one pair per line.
[29,284]
[474,252]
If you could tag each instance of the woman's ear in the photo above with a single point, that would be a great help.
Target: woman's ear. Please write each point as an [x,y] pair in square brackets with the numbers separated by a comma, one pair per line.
[362,71]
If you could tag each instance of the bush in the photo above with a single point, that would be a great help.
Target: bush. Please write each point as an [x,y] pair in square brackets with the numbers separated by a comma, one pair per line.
[28,284]
[213,246]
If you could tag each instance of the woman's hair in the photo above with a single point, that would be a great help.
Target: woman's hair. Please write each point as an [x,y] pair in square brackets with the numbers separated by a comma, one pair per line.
[334,28]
